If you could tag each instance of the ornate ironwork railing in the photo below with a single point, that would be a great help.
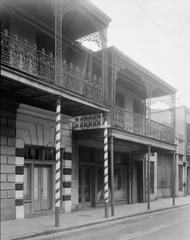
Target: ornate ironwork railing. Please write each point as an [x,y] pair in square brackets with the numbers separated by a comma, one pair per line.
[137,124]
[127,121]
[18,53]
[92,121]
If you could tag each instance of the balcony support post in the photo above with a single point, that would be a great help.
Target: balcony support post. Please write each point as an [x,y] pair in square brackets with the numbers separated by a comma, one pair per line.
[173,114]
[148,178]
[58,40]
[105,64]
[106,189]
[112,175]
[57,166]
[130,174]
[173,178]
[148,108]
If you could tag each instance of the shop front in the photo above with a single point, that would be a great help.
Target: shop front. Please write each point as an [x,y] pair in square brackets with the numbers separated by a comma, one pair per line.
[91,177]
[38,179]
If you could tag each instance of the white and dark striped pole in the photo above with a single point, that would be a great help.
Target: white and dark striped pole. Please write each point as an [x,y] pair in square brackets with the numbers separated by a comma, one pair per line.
[106,167]
[57,167]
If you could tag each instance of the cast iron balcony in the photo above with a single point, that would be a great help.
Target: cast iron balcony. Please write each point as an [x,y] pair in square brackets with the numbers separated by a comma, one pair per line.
[124,120]
[18,54]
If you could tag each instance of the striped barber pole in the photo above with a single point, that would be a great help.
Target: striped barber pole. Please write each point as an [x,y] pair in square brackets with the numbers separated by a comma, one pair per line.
[106,167]
[57,167]
[19,179]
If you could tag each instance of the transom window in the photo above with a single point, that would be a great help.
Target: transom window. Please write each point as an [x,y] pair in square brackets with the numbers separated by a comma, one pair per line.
[39,153]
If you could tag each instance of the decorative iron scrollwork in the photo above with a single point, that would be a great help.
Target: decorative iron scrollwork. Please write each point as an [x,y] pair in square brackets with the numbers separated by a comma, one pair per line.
[93,37]
[22,55]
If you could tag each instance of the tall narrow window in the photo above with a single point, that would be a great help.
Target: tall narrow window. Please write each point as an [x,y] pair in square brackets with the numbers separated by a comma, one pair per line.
[120,100]
[180,178]
[27,182]
[151,177]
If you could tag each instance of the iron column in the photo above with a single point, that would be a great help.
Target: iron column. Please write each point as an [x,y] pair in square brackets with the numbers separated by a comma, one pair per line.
[148,178]
[57,167]
[112,175]
[106,167]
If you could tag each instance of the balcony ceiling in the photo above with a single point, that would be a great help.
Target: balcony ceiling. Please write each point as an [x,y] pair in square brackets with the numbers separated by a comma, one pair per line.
[79,20]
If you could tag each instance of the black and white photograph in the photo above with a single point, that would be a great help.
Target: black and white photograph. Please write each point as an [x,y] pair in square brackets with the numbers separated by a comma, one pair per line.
[95,120]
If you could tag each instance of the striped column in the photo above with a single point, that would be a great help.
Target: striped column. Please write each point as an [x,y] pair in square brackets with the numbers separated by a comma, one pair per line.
[57,167]
[106,167]
[19,180]
[67,179]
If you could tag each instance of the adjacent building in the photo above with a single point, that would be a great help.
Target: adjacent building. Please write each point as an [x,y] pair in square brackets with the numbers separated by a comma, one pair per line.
[131,132]
[182,139]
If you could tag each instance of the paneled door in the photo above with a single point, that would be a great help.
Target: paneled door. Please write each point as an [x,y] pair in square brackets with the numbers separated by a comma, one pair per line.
[85,195]
[188,180]
[42,186]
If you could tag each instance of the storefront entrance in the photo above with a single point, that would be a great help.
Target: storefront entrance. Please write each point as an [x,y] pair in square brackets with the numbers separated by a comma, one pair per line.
[38,179]
[85,188]
[188,180]
[164,175]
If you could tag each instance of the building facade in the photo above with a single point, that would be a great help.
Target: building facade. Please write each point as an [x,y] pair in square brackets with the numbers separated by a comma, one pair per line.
[46,71]
[131,132]
[182,151]
[75,121]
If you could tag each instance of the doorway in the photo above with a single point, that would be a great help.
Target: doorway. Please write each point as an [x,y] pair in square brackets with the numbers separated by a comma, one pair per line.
[188,180]
[85,187]
[42,190]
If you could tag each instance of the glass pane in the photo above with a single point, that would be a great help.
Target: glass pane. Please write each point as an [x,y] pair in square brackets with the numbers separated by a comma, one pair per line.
[49,154]
[151,177]
[180,177]
[119,183]
[36,183]
[87,185]
[27,183]
[100,184]
[45,183]
[80,187]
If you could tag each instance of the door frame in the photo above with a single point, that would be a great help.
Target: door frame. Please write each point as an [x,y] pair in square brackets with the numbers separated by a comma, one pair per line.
[33,163]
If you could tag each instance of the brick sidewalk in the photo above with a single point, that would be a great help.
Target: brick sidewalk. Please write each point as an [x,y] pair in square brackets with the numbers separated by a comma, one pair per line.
[30,227]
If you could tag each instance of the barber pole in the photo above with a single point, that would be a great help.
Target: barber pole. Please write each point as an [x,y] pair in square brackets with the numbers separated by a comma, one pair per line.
[57,173]
[106,167]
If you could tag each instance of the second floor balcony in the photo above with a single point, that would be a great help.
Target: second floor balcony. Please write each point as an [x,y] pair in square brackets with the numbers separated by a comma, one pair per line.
[18,54]
[123,120]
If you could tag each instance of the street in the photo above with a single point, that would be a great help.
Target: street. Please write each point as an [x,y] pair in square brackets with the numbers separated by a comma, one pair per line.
[170,225]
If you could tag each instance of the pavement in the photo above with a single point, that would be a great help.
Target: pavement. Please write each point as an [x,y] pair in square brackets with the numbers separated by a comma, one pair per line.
[39,226]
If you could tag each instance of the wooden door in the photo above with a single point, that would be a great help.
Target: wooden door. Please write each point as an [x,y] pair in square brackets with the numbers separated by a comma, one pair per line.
[42,188]
[85,187]
[188,180]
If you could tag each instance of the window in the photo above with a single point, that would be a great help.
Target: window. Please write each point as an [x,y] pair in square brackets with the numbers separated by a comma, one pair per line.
[138,106]
[39,153]
[180,178]
[151,177]
[180,158]
[120,100]
[188,132]
[27,182]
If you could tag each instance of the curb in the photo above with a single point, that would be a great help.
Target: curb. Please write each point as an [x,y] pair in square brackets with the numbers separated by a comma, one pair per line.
[114,219]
